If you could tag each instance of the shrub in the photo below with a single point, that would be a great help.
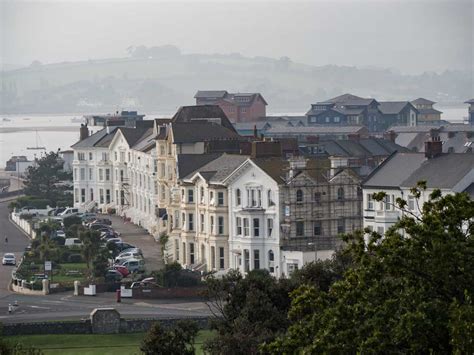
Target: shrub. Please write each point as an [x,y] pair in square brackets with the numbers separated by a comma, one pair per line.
[71,220]
[74,258]
[64,254]
[58,240]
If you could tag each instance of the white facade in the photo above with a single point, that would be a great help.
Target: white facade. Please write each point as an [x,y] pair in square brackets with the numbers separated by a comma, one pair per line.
[254,220]
[93,180]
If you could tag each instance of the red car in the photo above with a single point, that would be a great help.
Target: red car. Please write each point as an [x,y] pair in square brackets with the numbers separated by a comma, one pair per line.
[122,269]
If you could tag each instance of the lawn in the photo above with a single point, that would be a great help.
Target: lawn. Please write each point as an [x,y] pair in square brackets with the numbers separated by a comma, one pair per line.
[88,344]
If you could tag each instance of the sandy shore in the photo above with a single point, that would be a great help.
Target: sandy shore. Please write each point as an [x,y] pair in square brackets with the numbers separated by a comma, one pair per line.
[39,129]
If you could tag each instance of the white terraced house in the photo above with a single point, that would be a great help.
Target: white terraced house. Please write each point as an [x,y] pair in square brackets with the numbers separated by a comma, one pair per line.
[449,172]
[115,169]
[203,244]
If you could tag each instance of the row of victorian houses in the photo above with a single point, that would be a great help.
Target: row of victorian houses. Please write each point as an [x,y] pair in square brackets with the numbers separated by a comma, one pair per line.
[227,201]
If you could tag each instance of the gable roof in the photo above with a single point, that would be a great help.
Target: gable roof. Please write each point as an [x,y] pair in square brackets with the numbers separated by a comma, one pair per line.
[146,142]
[444,171]
[98,139]
[132,135]
[201,132]
[187,163]
[394,170]
[422,101]
[393,107]
[191,113]
[349,99]
[220,168]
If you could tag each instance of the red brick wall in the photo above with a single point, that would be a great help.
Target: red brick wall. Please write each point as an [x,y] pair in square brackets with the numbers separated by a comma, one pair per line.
[256,110]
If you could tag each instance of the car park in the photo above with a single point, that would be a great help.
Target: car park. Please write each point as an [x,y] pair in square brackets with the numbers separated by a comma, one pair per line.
[121,247]
[126,256]
[89,216]
[105,221]
[99,226]
[69,211]
[9,259]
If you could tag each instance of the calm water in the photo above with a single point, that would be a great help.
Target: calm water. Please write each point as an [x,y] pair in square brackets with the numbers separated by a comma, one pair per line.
[58,132]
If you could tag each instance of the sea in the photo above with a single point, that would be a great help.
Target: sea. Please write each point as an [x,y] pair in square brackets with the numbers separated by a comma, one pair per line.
[59,131]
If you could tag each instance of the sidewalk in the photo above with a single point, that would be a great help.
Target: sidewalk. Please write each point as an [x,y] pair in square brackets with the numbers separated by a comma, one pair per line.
[132,234]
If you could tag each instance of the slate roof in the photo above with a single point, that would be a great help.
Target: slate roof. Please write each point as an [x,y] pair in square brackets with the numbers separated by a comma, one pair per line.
[190,113]
[201,132]
[132,135]
[250,125]
[220,168]
[422,101]
[392,107]
[406,169]
[444,171]
[323,129]
[187,163]
[394,170]
[146,142]
[470,190]
[471,101]
[100,138]
[210,94]
[362,147]
[351,100]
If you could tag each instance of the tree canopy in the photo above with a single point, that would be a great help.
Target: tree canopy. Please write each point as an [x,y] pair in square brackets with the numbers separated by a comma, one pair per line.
[409,291]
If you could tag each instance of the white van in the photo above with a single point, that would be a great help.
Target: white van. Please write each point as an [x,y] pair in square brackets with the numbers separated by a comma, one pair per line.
[68,211]
[70,242]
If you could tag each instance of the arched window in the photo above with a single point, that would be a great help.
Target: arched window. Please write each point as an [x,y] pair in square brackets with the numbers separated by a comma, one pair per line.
[340,193]
[271,258]
[238,197]
[299,195]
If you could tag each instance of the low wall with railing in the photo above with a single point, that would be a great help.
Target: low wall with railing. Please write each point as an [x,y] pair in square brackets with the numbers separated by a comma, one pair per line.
[26,225]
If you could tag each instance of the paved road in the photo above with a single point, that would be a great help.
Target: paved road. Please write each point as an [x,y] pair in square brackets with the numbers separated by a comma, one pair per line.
[65,305]
[17,241]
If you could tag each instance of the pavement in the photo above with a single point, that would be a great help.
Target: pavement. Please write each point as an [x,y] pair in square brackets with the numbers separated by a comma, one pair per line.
[135,235]
[61,306]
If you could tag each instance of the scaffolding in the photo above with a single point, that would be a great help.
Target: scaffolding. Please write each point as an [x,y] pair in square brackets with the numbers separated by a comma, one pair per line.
[319,203]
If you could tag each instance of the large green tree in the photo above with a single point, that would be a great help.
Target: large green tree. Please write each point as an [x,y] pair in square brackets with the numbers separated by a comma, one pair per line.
[44,180]
[178,339]
[409,291]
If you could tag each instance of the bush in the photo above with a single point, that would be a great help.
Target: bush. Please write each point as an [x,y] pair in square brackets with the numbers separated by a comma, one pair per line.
[71,220]
[58,240]
[74,258]
[32,201]
[64,254]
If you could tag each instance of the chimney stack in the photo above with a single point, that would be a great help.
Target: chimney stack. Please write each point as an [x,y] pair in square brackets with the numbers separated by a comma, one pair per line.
[390,135]
[433,147]
[83,132]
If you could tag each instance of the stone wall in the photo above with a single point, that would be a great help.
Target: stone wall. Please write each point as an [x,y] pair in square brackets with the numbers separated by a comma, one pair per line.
[85,326]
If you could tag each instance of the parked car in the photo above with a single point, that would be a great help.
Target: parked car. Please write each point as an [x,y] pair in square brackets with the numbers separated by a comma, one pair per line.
[108,235]
[60,233]
[69,211]
[113,275]
[121,247]
[9,259]
[122,269]
[126,256]
[89,215]
[105,221]
[132,249]
[149,282]
[99,226]
[70,242]
[114,240]
[134,265]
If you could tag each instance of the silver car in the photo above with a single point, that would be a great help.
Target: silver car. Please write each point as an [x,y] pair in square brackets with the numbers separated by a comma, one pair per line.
[9,259]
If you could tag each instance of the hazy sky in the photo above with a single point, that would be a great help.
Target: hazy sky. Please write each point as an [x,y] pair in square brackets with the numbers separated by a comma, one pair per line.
[410,35]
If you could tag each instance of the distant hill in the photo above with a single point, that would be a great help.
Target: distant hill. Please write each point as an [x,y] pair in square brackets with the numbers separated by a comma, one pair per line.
[164,81]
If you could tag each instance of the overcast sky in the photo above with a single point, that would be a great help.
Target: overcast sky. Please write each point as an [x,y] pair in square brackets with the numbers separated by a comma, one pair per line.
[412,36]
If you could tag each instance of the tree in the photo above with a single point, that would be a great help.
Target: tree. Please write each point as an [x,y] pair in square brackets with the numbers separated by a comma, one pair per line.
[91,245]
[409,291]
[71,221]
[44,178]
[248,311]
[101,263]
[178,339]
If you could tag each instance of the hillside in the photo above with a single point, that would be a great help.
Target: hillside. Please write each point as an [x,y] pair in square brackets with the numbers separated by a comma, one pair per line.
[164,82]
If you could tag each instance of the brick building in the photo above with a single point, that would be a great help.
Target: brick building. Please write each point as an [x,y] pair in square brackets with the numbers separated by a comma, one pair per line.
[239,107]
